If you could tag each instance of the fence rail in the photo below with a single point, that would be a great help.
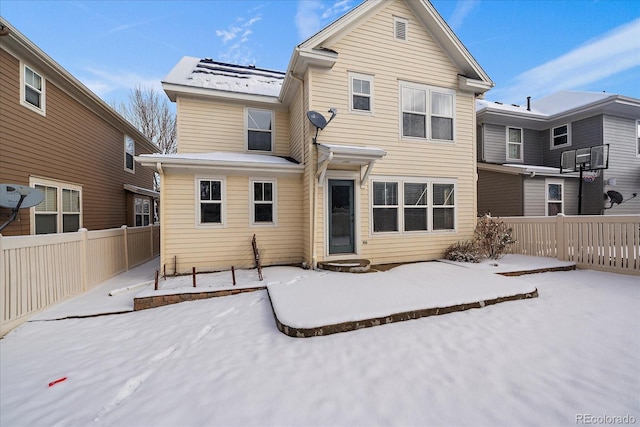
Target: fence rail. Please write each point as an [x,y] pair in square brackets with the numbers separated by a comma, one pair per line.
[608,243]
[39,271]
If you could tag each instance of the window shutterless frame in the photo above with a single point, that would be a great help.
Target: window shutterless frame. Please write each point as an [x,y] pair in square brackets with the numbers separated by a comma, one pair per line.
[32,89]
[427,113]
[61,209]
[259,130]
[560,136]
[129,153]
[210,202]
[360,93]
[514,144]
[263,194]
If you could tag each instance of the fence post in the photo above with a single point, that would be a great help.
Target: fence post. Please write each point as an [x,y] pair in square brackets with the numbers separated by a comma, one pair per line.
[126,248]
[2,284]
[84,248]
[150,241]
[561,244]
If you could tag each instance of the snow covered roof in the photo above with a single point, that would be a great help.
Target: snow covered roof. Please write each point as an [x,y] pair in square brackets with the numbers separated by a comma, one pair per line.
[522,169]
[222,161]
[562,103]
[206,73]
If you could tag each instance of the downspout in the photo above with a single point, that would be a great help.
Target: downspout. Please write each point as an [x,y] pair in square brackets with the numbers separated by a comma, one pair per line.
[162,215]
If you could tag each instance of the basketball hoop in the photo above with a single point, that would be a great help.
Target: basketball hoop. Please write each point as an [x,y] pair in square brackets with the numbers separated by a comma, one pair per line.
[590,176]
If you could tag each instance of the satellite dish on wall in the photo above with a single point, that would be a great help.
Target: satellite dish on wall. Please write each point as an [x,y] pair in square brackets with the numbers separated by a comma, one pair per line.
[615,197]
[10,195]
[319,121]
[16,197]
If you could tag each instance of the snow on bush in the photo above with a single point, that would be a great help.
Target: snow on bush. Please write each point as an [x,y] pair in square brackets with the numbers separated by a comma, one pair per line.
[492,240]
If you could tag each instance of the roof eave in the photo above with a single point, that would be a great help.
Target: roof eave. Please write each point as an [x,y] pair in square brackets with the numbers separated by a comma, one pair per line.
[173,90]
[221,166]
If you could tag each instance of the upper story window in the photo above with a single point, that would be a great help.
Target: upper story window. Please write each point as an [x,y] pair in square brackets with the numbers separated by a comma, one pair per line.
[32,89]
[259,130]
[560,136]
[400,26]
[211,199]
[554,198]
[129,152]
[427,113]
[361,96]
[264,197]
[514,144]
[60,211]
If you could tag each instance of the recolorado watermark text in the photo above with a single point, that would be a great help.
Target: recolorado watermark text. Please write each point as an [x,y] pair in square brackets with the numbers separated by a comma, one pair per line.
[605,419]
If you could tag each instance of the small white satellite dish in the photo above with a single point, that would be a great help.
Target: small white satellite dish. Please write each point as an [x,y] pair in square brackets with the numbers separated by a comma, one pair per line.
[16,197]
[10,195]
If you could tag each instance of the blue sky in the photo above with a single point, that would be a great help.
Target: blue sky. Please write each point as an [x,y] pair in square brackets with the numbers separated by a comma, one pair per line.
[528,47]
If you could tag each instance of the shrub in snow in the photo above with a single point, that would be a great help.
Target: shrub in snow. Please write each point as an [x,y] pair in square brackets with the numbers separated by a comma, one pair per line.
[465,251]
[493,237]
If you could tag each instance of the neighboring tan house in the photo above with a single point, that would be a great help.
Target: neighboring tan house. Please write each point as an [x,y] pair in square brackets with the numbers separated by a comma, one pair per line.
[59,137]
[392,178]
[520,147]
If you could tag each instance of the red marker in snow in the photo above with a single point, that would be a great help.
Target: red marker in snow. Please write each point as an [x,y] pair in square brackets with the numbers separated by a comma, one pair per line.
[59,380]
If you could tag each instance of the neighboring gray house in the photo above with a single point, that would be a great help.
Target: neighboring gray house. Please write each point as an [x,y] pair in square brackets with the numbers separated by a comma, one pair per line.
[519,149]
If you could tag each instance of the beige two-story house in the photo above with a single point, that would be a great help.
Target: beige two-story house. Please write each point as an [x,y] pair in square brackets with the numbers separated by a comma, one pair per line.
[390,178]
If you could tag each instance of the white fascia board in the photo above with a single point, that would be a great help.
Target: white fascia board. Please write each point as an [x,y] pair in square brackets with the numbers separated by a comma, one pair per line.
[351,154]
[172,90]
[227,167]
[475,86]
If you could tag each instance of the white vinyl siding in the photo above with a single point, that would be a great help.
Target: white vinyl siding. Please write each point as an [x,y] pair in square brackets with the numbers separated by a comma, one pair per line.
[561,136]
[361,93]
[210,196]
[638,138]
[61,209]
[259,130]
[514,144]
[411,205]
[263,202]
[426,112]
[32,89]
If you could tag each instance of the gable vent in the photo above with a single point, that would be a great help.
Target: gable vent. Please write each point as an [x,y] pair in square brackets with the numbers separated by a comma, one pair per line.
[400,29]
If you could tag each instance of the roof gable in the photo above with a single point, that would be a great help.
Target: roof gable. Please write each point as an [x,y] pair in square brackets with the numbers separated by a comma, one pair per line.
[316,50]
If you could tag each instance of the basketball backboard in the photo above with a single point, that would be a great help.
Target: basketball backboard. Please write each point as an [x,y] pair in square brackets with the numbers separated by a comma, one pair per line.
[586,159]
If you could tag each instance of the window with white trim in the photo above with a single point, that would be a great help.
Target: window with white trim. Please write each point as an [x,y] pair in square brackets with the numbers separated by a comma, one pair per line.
[361,96]
[416,206]
[210,198]
[142,211]
[129,153]
[444,208]
[422,205]
[427,112]
[514,144]
[554,198]
[263,196]
[400,26]
[259,130]
[60,211]
[560,136]
[32,89]
[385,206]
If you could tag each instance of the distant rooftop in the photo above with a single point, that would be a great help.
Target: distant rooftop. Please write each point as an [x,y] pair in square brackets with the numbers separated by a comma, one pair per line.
[209,74]
[556,103]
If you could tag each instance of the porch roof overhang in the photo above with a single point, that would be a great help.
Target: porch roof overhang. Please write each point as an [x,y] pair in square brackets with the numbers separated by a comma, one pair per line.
[222,162]
[333,154]
[141,191]
[529,170]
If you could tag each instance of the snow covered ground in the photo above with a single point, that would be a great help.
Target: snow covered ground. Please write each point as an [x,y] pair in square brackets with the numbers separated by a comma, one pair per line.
[572,352]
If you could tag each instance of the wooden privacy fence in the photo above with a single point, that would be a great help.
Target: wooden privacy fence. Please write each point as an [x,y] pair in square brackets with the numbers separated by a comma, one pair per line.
[607,243]
[39,271]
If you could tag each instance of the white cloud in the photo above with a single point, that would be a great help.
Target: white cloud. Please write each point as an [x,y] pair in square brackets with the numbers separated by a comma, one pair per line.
[312,15]
[463,8]
[238,52]
[610,54]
